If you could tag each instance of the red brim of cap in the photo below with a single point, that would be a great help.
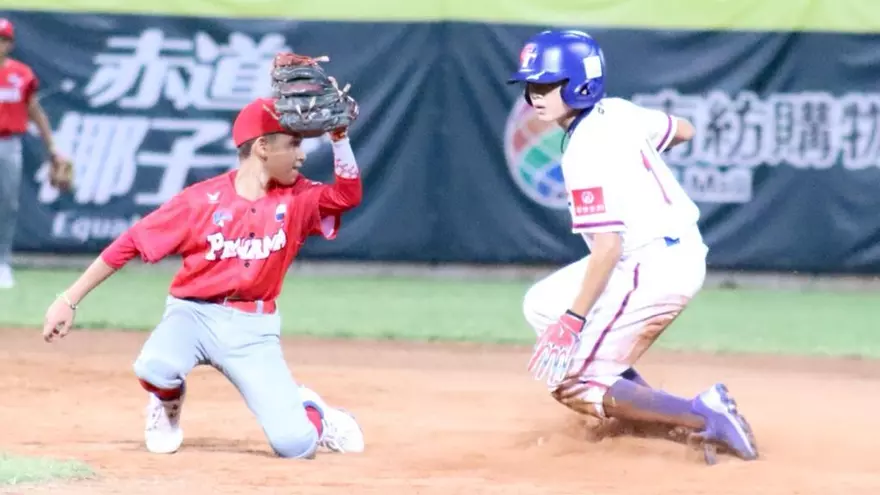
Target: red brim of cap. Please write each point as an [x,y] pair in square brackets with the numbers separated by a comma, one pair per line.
[257,118]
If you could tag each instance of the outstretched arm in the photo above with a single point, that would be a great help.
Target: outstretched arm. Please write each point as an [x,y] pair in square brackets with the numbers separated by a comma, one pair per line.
[59,317]
[157,235]
[114,257]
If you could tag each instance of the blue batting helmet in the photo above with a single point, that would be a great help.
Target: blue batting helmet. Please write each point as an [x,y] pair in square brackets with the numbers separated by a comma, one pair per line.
[570,56]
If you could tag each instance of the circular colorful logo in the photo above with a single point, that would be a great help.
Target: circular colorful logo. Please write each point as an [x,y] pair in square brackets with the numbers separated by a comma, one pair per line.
[533,151]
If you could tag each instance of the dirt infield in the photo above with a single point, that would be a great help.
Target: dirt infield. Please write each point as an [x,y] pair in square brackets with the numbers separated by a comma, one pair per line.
[439,419]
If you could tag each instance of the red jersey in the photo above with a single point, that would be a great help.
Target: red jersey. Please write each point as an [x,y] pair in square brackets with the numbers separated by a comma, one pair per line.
[233,247]
[18,84]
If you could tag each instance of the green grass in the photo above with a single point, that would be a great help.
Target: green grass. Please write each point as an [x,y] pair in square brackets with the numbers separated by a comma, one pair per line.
[15,470]
[765,321]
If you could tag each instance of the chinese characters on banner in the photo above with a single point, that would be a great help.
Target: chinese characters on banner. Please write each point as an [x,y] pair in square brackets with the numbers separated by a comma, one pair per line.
[736,133]
[135,74]
[138,72]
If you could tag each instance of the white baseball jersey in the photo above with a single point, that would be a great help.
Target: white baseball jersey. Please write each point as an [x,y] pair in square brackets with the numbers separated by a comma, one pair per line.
[618,182]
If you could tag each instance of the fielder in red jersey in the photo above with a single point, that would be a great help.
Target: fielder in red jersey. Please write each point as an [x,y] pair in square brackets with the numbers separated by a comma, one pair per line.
[18,106]
[237,234]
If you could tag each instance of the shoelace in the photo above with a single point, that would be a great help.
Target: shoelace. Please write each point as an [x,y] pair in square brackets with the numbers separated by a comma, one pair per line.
[328,436]
[169,410]
[155,418]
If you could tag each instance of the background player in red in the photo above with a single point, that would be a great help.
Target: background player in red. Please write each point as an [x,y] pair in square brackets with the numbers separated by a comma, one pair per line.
[237,233]
[18,106]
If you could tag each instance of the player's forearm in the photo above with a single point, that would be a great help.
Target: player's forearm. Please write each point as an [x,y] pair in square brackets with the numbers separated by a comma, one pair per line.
[36,113]
[114,257]
[347,190]
[604,256]
[96,273]
[344,163]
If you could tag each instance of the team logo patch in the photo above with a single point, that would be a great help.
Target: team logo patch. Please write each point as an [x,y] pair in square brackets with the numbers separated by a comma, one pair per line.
[279,213]
[220,217]
[590,201]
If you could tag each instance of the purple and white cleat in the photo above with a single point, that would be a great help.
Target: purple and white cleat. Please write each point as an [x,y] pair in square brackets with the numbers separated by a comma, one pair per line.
[724,424]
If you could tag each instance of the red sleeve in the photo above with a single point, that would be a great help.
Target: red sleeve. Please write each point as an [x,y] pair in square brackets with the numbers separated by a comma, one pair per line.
[164,231]
[30,90]
[339,197]
[325,204]
[120,251]
[332,200]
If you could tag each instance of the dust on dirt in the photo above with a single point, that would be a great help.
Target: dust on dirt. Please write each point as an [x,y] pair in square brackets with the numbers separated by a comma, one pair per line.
[439,419]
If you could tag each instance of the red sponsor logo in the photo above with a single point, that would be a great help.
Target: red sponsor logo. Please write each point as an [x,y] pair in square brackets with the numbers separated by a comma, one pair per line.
[589,201]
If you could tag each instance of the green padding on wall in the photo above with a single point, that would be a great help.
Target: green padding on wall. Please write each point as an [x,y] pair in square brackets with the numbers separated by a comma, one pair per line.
[809,15]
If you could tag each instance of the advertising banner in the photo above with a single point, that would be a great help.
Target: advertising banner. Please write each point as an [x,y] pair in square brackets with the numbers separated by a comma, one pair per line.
[784,165]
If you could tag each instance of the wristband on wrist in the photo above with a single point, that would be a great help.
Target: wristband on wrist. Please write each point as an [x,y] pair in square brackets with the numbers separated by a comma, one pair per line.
[572,313]
[63,297]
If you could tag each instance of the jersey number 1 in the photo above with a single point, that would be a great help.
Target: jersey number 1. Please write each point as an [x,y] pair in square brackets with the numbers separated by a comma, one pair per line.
[647,162]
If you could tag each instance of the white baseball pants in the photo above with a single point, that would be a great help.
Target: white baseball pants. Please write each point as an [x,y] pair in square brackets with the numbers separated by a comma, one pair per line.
[646,291]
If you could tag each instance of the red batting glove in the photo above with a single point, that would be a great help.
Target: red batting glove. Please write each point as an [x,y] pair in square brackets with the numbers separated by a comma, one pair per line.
[555,349]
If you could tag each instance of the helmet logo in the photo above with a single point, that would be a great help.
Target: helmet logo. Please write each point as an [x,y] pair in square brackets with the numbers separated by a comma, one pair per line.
[527,56]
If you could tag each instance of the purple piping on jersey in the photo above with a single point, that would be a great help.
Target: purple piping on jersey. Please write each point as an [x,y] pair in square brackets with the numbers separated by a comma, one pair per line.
[594,225]
[610,325]
[663,144]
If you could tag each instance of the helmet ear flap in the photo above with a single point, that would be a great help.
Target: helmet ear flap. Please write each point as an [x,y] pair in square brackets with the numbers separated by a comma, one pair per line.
[584,95]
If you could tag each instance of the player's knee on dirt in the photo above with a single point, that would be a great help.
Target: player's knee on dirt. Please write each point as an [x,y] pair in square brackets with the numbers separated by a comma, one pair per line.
[293,443]
[585,395]
[158,372]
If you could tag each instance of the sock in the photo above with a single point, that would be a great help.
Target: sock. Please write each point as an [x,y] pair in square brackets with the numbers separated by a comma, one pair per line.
[653,404]
[164,394]
[634,376]
[315,417]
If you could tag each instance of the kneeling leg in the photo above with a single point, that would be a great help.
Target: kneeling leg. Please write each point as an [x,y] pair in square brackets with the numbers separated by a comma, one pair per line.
[262,377]
[616,397]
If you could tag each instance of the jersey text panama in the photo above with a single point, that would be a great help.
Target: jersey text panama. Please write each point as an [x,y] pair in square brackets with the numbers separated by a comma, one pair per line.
[244,247]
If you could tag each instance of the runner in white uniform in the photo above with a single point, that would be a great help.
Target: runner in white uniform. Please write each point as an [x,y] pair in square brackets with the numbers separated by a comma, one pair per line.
[597,316]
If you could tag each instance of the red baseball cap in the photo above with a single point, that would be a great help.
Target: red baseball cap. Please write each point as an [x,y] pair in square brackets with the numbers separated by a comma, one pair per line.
[256,119]
[6,29]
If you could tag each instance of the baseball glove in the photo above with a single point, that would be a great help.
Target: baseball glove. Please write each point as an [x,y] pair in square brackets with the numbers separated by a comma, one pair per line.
[61,173]
[308,101]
